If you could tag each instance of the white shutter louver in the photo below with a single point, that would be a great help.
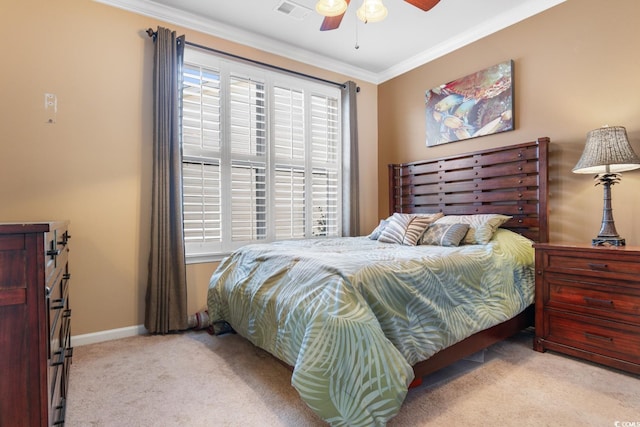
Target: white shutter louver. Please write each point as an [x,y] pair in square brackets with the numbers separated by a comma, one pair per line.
[200,109]
[247,116]
[289,203]
[248,202]
[201,202]
[289,148]
[326,168]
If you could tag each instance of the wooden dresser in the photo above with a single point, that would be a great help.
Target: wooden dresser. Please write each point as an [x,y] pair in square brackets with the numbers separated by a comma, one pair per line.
[588,303]
[34,323]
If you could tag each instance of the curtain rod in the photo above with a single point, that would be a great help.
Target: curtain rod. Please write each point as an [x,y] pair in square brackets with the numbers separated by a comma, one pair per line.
[153,34]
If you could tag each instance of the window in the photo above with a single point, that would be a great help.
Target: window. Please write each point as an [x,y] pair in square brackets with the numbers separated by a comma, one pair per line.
[261,156]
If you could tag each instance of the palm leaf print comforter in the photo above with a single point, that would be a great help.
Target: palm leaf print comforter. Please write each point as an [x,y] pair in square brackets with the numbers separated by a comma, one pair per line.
[352,315]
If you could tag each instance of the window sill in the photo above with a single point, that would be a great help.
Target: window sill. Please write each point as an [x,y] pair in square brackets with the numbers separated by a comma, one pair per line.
[204,258]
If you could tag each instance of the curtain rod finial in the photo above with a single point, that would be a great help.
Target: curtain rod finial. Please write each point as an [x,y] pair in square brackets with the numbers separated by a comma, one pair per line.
[151,33]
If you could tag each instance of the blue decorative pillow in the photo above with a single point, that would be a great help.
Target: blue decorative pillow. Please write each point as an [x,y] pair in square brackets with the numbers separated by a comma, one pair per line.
[444,234]
[481,226]
[375,234]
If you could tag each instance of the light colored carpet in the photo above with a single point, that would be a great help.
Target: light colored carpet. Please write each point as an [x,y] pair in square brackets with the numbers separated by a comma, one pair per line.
[194,379]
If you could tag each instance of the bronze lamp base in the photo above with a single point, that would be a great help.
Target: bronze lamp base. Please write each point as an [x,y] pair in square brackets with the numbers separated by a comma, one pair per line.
[608,234]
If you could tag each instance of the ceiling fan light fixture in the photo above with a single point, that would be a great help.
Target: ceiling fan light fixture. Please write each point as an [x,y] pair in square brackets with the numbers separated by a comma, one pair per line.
[331,7]
[372,11]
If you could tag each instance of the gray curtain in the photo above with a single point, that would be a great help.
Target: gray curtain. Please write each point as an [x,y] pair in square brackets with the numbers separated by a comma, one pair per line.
[166,298]
[350,180]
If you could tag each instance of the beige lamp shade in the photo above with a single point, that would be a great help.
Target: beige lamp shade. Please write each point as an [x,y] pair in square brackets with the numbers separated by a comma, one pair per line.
[607,150]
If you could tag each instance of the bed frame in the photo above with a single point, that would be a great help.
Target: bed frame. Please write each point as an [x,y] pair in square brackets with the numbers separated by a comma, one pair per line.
[511,180]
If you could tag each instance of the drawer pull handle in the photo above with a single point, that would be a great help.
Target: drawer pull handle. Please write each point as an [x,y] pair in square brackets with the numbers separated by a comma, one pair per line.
[59,358]
[62,409]
[57,304]
[598,302]
[53,252]
[595,266]
[597,337]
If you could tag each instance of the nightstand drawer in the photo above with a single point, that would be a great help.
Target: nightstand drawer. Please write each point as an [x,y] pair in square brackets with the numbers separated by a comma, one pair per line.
[599,299]
[594,264]
[612,339]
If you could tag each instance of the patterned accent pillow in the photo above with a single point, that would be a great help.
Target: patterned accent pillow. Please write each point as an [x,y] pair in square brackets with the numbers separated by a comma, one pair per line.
[444,234]
[481,226]
[375,234]
[406,229]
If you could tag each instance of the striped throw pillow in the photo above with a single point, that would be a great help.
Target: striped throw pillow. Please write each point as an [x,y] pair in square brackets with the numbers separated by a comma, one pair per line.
[406,229]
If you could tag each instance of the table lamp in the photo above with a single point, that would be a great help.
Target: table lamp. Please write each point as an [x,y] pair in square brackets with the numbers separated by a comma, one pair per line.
[607,152]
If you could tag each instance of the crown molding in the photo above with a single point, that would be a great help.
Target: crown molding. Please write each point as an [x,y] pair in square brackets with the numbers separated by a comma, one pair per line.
[483,29]
[236,35]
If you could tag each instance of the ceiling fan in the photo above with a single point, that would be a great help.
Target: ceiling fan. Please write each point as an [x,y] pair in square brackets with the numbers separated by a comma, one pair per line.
[334,11]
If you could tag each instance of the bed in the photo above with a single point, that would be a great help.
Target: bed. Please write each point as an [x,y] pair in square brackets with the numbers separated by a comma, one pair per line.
[360,319]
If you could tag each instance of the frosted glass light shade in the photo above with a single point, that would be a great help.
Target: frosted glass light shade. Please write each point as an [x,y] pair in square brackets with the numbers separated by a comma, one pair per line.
[331,7]
[372,11]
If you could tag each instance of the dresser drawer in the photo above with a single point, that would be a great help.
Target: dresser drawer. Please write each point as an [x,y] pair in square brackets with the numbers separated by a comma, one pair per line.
[56,380]
[57,303]
[56,251]
[58,348]
[58,368]
[65,373]
[59,413]
[620,266]
[591,297]
[612,339]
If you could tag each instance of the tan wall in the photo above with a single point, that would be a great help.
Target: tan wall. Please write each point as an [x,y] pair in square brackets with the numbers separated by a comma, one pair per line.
[93,165]
[577,67]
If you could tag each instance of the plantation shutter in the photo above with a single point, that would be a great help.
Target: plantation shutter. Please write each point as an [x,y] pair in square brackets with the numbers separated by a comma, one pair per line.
[325,151]
[200,123]
[289,149]
[262,156]
[248,159]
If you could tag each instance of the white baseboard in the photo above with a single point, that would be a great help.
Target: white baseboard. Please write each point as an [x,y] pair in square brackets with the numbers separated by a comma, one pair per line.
[112,334]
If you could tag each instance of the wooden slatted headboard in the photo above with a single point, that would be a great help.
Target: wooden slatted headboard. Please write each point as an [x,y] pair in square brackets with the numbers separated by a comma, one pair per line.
[510,180]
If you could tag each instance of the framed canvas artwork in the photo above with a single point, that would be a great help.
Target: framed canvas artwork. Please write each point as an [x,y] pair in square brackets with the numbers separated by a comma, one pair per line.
[475,105]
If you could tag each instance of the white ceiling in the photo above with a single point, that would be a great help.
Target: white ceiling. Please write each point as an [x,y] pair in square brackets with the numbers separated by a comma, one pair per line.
[407,38]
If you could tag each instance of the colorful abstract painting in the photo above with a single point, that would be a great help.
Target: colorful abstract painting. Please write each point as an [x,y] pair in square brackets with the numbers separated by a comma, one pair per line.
[476,105]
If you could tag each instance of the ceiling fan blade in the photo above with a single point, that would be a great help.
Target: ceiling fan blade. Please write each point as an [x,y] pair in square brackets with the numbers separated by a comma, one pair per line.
[332,22]
[423,4]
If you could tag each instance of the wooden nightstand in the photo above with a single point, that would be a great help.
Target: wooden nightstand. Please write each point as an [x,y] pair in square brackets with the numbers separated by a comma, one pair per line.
[588,303]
